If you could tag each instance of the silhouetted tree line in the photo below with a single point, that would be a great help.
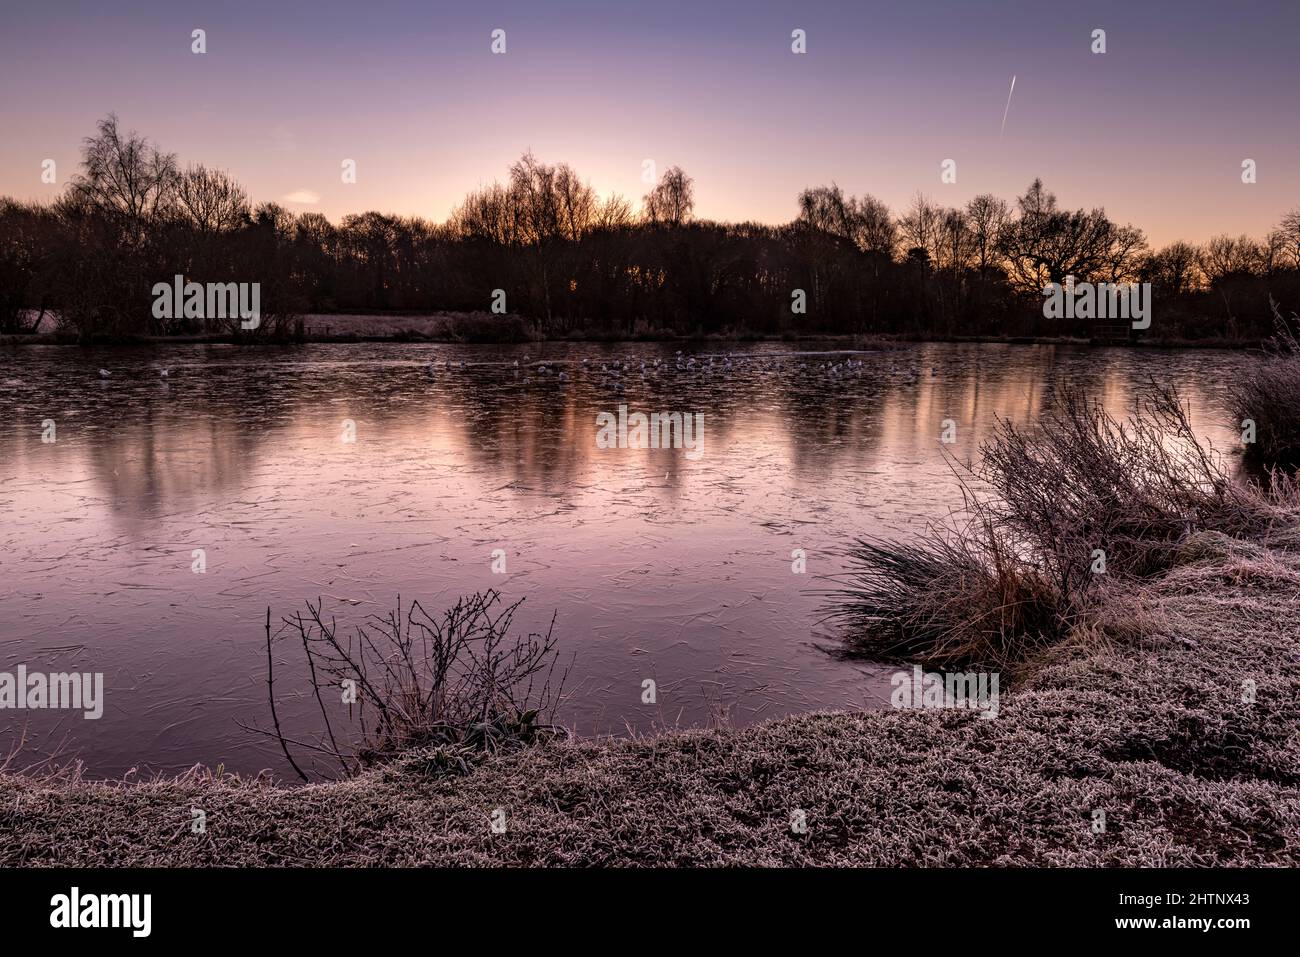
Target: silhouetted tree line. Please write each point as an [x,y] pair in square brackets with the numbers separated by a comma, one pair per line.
[574,264]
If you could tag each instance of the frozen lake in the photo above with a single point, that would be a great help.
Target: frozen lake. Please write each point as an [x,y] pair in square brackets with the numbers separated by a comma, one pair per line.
[657,565]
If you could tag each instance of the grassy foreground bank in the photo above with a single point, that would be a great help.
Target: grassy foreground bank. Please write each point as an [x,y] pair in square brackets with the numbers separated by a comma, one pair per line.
[1154,733]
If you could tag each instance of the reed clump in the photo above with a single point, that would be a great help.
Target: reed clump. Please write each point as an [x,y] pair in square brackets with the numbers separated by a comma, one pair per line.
[1060,521]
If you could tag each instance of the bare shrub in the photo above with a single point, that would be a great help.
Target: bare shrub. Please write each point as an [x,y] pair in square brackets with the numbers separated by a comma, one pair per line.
[1082,480]
[455,683]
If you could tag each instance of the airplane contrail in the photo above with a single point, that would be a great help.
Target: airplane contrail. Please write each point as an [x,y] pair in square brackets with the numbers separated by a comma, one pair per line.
[1008,109]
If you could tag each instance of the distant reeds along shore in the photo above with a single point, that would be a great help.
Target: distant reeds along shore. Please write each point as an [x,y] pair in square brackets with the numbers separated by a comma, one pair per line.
[542,255]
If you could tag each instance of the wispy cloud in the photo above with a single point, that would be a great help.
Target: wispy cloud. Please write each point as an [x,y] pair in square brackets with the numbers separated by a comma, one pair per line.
[304,196]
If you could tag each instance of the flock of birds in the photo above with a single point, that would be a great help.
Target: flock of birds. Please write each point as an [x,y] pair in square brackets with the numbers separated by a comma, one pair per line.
[614,372]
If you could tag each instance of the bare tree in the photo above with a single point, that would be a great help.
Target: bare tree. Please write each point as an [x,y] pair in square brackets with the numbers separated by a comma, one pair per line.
[1122,252]
[1224,256]
[671,202]
[1273,252]
[954,242]
[1046,244]
[1174,269]
[210,201]
[919,227]
[125,176]
[534,200]
[986,216]
[865,222]
[876,230]
[486,215]
[1290,230]
[576,204]
[825,208]
[613,213]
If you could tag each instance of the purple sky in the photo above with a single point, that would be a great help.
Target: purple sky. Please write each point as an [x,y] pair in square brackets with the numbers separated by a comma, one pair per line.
[1155,129]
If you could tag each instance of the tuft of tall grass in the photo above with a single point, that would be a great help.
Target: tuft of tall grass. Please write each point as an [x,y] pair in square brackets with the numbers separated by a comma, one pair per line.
[1056,517]
[956,595]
